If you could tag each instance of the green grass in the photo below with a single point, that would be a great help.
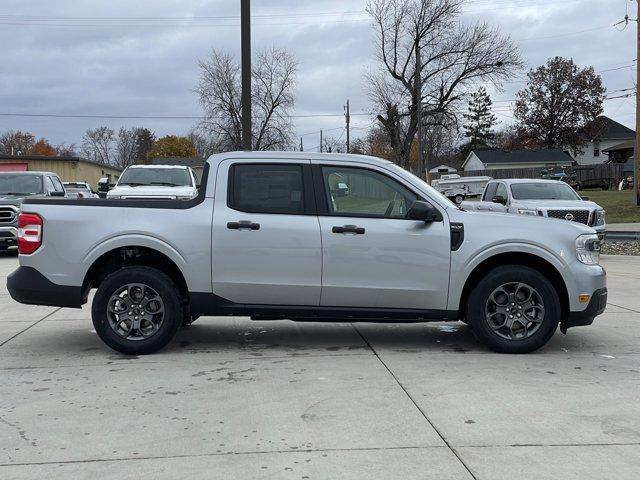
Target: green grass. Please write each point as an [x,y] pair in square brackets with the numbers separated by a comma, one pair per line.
[620,206]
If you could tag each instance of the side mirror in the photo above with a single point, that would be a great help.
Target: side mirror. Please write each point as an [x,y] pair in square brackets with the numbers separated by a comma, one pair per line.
[586,199]
[57,194]
[423,211]
[499,199]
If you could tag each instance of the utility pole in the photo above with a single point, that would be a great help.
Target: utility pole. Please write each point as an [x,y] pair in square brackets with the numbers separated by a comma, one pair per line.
[418,80]
[321,141]
[245,26]
[347,117]
[636,150]
[301,146]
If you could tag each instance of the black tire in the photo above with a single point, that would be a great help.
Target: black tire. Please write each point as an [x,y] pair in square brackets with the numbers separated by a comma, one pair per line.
[503,275]
[458,199]
[166,291]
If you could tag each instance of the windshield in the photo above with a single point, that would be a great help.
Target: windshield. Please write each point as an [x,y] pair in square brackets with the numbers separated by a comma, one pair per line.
[20,184]
[169,177]
[543,191]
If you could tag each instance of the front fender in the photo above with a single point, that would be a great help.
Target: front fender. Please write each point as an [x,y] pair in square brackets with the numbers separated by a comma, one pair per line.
[463,265]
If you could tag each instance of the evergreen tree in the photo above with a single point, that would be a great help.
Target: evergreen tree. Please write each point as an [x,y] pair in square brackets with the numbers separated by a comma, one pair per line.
[479,120]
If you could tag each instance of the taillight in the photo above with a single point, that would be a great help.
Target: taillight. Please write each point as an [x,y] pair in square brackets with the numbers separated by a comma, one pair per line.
[29,233]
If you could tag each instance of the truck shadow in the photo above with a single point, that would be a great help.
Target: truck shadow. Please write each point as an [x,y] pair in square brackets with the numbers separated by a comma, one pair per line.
[312,338]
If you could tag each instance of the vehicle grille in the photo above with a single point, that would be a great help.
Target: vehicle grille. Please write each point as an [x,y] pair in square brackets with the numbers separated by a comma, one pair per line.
[7,215]
[580,216]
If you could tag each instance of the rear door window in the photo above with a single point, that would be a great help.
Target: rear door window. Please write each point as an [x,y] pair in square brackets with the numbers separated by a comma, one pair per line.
[267,188]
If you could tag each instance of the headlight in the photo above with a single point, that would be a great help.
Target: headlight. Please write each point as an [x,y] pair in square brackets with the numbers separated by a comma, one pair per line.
[599,218]
[527,211]
[588,249]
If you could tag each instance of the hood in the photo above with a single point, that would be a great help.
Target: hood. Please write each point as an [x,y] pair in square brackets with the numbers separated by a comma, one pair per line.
[151,191]
[556,204]
[528,225]
[16,199]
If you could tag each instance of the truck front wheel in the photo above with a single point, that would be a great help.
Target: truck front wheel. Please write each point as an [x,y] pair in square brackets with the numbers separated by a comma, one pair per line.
[514,309]
[137,310]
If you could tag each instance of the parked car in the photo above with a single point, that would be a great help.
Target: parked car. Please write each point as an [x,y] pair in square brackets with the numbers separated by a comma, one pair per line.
[79,190]
[267,237]
[14,188]
[457,188]
[155,182]
[543,198]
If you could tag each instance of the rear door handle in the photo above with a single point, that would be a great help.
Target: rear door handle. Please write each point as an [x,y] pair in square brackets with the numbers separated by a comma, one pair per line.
[348,229]
[243,225]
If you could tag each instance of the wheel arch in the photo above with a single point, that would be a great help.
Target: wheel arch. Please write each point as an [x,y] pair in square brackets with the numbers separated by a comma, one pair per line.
[130,255]
[527,259]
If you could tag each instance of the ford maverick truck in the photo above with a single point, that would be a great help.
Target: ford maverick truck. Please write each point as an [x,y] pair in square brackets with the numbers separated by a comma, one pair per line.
[305,236]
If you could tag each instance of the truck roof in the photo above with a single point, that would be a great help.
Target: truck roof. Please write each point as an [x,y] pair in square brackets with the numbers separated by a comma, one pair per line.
[511,181]
[28,173]
[158,166]
[335,157]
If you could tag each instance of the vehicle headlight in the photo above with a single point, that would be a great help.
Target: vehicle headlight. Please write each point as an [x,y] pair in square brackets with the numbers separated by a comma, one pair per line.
[527,211]
[588,249]
[600,218]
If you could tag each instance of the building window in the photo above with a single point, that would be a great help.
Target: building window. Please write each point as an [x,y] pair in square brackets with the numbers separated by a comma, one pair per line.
[596,149]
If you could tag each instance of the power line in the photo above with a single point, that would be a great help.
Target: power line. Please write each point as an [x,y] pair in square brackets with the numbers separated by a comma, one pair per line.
[154,117]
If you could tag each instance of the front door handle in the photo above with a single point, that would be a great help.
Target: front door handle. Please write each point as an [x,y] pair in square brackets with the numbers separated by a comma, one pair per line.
[348,229]
[243,225]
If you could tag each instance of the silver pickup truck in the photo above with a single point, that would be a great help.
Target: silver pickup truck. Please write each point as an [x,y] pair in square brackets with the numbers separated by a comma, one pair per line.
[14,188]
[543,198]
[304,236]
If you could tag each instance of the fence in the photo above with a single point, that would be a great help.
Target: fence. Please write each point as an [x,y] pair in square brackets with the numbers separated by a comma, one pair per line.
[608,173]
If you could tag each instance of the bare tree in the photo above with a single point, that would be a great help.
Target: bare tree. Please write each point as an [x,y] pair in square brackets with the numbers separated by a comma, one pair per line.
[97,145]
[66,150]
[126,148]
[453,57]
[17,142]
[272,96]
[205,145]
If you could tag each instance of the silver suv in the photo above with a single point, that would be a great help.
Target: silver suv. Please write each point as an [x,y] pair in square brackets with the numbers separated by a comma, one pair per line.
[304,236]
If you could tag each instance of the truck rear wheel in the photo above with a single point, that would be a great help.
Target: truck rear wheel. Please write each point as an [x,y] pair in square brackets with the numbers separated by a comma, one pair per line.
[137,310]
[514,309]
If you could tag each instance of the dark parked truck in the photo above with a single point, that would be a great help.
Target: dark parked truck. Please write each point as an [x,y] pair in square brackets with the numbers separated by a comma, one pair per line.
[14,188]
[303,236]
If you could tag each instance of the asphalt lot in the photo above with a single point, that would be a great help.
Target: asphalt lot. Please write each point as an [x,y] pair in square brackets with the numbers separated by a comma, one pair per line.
[232,398]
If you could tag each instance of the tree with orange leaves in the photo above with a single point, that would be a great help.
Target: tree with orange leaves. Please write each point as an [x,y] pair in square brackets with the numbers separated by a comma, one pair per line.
[44,148]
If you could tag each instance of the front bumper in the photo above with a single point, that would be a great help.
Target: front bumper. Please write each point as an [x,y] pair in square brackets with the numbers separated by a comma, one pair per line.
[27,285]
[596,306]
[8,237]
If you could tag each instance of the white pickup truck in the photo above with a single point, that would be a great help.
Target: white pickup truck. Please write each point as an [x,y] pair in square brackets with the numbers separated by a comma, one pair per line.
[306,236]
[171,182]
[543,198]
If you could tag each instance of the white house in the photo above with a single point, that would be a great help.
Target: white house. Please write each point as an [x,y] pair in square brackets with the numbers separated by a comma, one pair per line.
[610,134]
[497,159]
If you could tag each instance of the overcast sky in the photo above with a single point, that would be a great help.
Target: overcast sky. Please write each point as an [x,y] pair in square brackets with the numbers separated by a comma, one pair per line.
[108,57]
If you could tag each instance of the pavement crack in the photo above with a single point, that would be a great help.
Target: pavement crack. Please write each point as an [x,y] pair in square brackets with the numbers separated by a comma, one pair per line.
[422,412]
[222,454]
[624,308]
[30,326]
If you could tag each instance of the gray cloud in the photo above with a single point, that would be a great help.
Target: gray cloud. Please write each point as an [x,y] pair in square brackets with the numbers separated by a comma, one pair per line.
[128,66]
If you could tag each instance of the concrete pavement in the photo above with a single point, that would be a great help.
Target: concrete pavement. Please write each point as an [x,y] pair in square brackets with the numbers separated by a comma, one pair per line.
[232,398]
